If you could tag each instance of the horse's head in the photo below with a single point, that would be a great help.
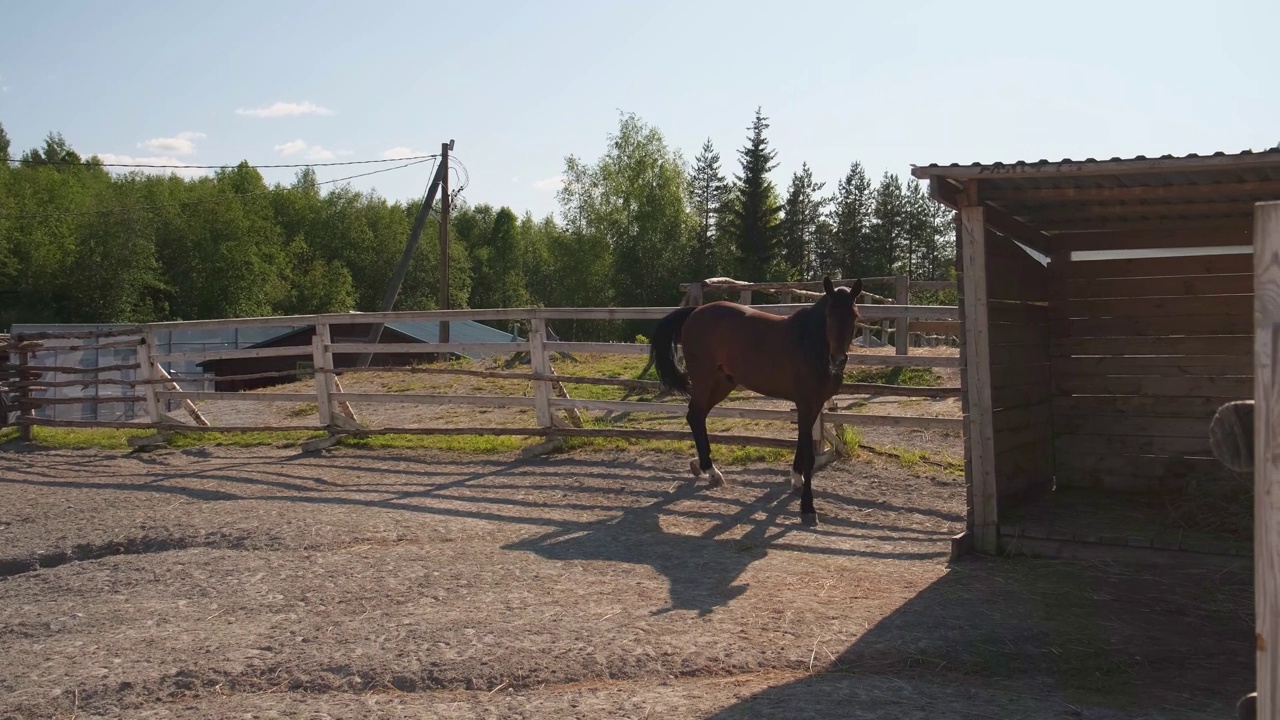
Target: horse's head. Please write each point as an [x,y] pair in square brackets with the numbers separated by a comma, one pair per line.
[842,321]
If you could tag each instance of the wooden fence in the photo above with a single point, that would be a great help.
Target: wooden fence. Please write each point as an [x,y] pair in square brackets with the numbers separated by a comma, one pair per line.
[901,332]
[151,385]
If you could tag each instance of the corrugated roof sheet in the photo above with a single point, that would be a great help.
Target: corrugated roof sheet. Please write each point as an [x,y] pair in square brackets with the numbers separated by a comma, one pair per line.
[923,171]
[1120,193]
[467,331]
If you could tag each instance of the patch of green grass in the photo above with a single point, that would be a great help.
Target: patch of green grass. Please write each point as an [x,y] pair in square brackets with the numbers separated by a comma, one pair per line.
[913,377]
[478,444]
[908,457]
[79,438]
[257,438]
[117,438]
[302,410]
[852,439]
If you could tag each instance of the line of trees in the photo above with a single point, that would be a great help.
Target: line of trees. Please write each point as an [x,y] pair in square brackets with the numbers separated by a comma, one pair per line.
[81,244]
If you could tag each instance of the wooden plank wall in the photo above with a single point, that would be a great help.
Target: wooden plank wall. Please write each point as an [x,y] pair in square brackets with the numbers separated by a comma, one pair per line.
[1144,352]
[1020,389]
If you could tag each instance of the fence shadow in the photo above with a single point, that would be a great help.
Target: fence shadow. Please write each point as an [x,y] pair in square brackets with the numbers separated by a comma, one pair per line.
[1008,638]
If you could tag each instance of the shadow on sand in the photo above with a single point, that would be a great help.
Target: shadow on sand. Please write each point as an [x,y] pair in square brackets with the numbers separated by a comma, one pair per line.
[1026,638]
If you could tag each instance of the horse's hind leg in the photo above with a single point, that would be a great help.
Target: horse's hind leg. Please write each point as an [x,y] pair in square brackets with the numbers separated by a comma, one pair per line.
[706,394]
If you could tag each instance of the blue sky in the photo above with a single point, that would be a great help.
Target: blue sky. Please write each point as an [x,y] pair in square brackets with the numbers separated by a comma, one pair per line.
[521,85]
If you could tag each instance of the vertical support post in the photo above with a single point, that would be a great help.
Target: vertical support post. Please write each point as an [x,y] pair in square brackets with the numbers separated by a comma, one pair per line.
[402,268]
[744,297]
[147,376]
[321,360]
[25,408]
[444,238]
[977,361]
[902,297]
[695,293]
[784,297]
[1266,461]
[541,366]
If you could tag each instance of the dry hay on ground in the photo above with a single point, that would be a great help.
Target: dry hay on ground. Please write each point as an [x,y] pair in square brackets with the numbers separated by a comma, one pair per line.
[216,583]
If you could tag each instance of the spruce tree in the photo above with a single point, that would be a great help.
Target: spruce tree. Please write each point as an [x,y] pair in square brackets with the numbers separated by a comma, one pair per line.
[887,252]
[851,225]
[754,210]
[708,193]
[800,226]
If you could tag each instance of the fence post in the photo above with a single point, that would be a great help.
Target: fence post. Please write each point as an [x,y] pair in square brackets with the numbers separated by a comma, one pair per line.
[695,293]
[902,297]
[321,360]
[540,366]
[25,407]
[146,375]
[744,297]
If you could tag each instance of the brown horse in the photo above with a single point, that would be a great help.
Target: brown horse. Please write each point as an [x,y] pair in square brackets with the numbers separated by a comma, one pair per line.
[800,358]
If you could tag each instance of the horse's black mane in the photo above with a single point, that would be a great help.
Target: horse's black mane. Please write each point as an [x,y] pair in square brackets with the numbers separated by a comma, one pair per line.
[811,323]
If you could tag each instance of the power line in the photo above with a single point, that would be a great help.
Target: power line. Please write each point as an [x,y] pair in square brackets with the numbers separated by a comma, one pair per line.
[215,198]
[221,167]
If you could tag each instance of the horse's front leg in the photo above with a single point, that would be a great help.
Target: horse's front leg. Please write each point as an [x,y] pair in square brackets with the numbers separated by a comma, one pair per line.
[804,464]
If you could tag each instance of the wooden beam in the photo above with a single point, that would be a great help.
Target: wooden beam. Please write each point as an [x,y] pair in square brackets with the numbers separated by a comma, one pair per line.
[1117,224]
[978,386]
[1266,524]
[1052,214]
[995,218]
[1260,190]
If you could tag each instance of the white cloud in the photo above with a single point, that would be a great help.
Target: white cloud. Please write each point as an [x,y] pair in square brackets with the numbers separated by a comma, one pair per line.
[401,151]
[181,144]
[307,152]
[285,109]
[182,168]
[552,183]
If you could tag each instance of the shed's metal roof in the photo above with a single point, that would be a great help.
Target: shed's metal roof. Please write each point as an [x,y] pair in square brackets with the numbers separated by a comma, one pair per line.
[1085,195]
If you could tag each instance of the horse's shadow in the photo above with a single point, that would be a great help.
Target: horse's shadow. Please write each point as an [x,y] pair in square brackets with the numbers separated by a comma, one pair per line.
[702,571]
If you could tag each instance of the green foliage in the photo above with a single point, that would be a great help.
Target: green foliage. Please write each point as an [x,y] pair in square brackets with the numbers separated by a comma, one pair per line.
[710,255]
[79,244]
[915,377]
[804,227]
[754,207]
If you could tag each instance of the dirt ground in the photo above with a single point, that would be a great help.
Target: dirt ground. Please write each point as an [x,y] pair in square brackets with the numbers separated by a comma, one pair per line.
[263,583]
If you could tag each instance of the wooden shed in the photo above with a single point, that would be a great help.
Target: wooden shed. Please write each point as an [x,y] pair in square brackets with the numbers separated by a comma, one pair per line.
[1107,309]
[426,332]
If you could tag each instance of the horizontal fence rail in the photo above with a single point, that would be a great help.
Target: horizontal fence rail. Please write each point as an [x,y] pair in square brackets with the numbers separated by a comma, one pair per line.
[145,382]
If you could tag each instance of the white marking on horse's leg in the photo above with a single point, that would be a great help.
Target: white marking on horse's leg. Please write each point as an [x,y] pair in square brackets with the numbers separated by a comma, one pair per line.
[797,480]
[717,478]
[693,467]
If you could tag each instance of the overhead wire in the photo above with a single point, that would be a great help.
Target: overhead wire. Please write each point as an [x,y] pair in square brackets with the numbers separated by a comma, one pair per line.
[220,167]
[215,198]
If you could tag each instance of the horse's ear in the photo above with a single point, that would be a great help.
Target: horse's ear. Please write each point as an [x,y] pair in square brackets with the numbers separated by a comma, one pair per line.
[856,290]
[827,286]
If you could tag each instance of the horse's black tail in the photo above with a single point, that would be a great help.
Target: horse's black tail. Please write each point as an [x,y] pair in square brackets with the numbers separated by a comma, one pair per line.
[662,350]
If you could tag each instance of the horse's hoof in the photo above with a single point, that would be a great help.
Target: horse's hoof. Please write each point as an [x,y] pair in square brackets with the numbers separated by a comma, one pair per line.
[809,519]
[693,468]
[717,478]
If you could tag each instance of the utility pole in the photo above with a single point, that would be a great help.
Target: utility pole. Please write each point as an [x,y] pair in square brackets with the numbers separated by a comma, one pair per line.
[397,278]
[444,237]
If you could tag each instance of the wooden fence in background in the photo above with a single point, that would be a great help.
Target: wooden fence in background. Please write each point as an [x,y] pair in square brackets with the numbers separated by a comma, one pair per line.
[151,385]
[905,332]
